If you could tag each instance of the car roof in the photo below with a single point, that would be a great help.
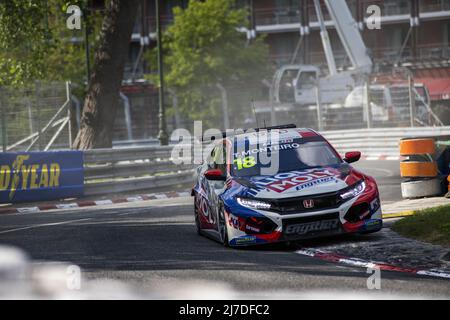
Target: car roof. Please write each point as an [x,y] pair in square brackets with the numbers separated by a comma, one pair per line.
[284,134]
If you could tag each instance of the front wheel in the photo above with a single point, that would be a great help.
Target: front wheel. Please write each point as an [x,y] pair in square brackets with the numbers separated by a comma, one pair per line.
[223,227]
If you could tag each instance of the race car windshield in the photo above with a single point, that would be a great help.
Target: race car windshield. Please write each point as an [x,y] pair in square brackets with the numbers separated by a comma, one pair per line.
[298,154]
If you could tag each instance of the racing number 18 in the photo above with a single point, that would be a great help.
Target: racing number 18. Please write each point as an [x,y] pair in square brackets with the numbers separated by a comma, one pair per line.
[245,163]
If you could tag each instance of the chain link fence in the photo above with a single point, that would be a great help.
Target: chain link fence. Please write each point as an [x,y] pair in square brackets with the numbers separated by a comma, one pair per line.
[46,116]
[370,105]
[36,117]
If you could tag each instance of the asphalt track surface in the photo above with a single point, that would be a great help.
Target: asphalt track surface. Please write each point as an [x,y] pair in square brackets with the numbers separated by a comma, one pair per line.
[387,175]
[153,245]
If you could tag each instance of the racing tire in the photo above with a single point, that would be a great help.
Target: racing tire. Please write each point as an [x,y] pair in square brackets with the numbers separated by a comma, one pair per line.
[223,227]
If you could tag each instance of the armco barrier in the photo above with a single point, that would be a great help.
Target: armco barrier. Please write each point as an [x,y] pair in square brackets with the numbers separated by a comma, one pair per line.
[133,169]
[383,141]
[150,168]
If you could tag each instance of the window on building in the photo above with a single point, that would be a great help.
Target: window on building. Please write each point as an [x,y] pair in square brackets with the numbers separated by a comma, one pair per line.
[396,7]
[286,11]
[286,4]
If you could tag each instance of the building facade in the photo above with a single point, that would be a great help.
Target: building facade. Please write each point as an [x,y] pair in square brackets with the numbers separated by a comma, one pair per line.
[413,33]
[411,30]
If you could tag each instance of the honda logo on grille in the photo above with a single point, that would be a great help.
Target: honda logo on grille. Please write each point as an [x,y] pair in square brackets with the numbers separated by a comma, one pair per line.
[308,204]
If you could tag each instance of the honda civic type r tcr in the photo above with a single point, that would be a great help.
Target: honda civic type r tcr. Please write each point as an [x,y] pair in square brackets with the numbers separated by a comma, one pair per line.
[241,200]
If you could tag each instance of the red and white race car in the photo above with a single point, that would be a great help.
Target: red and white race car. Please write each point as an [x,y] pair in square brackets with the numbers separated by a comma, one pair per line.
[242,198]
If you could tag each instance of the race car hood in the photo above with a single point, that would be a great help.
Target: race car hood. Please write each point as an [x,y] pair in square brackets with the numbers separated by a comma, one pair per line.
[300,183]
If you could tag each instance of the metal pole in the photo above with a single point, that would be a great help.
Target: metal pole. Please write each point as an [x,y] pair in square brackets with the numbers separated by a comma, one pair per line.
[126,108]
[162,135]
[86,45]
[306,54]
[226,119]
[2,108]
[368,108]
[252,20]
[39,104]
[319,109]
[273,115]
[272,87]
[175,107]
[325,40]
[412,100]
[30,116]
[69,114]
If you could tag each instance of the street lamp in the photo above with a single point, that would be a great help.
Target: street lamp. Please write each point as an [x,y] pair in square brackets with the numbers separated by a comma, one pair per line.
[86,46]
[86,41]
[162,135]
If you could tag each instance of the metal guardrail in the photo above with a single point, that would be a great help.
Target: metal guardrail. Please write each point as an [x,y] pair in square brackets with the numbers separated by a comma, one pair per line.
[382,141]
[151,167]
[133,169]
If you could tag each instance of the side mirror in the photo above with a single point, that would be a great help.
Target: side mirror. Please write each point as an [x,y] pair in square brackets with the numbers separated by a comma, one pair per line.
[215,175]
[352,156]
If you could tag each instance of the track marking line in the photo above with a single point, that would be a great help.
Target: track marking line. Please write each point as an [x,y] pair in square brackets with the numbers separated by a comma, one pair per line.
[102,202]
[398,214]
[434,273]
[90,203]
[66,205]
[43,225]
[356,262]
[134,199]
[28,210]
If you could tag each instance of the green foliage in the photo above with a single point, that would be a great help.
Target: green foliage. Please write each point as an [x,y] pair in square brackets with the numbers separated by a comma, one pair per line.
[23,38]
[204,47]
[430,225]
[35,43]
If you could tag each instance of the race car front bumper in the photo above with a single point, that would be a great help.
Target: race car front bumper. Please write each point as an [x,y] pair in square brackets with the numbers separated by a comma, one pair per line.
[359,215]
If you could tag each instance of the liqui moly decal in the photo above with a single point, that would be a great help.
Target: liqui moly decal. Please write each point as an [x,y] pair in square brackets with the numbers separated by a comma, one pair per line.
[298,180]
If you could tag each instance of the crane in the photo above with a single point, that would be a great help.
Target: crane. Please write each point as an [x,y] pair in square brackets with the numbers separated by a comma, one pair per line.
[299,83]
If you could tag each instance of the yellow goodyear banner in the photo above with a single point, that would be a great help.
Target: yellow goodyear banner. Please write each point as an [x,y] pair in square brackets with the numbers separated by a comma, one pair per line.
[35,176]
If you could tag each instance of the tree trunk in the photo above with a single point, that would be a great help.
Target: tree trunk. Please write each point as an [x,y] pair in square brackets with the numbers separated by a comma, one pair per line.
[102,99]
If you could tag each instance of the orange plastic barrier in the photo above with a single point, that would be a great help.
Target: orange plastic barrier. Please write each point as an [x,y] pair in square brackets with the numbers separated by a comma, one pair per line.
[418,169]
[417,146]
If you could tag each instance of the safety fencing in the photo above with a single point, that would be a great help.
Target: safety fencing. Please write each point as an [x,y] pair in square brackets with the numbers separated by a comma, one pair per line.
[46,116]
[151,168]
[36,176]
[381,141]
[133,169]
[36,117]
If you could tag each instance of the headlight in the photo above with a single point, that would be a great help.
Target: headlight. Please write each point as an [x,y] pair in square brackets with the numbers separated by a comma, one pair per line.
[253,204]
[354,191]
